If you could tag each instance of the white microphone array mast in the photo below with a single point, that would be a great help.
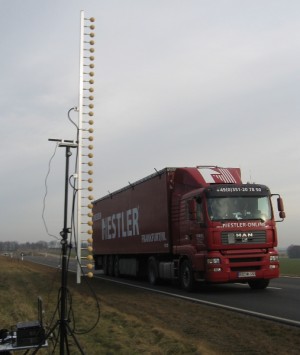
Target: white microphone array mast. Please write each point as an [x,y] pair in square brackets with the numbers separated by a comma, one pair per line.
[85,147]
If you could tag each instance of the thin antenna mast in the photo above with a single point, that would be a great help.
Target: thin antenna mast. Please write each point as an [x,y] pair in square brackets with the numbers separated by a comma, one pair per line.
[85,137]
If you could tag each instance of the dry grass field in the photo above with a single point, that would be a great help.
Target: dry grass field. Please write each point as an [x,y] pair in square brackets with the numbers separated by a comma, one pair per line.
[135,321]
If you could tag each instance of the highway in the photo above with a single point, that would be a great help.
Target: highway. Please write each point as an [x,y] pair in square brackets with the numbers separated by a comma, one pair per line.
[279,302]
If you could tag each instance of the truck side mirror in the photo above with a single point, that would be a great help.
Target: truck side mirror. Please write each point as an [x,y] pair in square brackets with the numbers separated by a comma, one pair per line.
[192,207]
[282,214]
[280,204]
[280,208]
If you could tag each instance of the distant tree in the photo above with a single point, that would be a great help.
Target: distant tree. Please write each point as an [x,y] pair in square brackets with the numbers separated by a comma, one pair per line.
[293,251]
[54,244]
[12,246]
[9,246]
[41,245]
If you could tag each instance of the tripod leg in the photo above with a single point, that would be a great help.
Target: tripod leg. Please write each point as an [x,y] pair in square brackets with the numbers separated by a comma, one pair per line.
[76,341]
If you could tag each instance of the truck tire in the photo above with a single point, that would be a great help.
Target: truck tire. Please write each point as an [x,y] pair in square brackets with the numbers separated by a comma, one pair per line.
[259,284]
[187,280]
[152,271]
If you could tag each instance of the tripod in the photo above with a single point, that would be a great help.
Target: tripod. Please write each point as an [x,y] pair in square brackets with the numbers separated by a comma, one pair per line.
[63,322]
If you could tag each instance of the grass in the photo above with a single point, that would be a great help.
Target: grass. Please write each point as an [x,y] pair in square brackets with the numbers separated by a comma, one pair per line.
[135,321]
[289,267]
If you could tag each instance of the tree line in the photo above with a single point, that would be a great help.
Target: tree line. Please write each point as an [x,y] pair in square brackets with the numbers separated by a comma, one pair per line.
[293,251]
[12,246]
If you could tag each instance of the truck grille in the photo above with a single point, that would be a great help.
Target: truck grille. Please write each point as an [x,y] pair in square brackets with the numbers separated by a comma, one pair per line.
[254,237]
[245,263]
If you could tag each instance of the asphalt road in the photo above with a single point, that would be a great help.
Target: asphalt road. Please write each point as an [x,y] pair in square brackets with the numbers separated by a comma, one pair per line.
[279,302]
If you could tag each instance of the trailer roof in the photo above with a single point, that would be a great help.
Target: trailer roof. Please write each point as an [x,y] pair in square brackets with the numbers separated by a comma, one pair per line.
[131,185]
[203,175]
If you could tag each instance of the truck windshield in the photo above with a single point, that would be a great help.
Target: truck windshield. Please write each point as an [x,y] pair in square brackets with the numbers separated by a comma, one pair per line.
[235,207]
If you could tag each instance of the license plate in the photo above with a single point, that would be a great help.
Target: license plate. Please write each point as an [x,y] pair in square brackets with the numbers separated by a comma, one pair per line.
[247,274]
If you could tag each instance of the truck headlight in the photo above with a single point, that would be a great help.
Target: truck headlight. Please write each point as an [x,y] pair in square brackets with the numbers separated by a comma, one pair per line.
[274,258]
[213,261]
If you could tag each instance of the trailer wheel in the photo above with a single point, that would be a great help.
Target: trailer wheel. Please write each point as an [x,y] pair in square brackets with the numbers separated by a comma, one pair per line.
[259,284]
[187,280]
[152,271]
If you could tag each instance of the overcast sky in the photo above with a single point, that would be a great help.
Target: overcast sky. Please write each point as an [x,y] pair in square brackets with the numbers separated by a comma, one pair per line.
[178,83]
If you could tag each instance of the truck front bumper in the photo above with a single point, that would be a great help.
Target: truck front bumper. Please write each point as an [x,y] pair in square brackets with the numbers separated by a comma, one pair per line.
[234,267]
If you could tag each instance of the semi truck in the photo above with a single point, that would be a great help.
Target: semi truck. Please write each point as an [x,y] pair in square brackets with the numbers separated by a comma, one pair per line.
[189,224]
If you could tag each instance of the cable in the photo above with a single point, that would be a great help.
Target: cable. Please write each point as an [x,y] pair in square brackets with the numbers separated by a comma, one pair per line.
[46,192]
[81,332]
[72,184]
[74,233]
[57,310]
[70,119]
[69,302]
[78,332]
[70,311]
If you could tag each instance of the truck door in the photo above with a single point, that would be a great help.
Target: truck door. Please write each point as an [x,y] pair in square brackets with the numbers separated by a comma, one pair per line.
[192,223]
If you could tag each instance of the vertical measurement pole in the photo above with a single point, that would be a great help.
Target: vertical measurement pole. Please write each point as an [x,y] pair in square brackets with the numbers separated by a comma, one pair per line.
[79,168]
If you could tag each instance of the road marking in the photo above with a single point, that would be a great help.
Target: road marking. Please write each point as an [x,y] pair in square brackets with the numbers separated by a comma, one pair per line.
[290,277]
[246,285]
[275,288]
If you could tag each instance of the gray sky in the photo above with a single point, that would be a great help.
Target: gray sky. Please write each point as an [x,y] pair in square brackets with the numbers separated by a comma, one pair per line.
[178,83]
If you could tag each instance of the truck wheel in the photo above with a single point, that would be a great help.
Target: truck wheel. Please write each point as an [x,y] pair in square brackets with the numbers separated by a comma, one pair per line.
[259,284]
[116,267]
[187,280]
[152,271]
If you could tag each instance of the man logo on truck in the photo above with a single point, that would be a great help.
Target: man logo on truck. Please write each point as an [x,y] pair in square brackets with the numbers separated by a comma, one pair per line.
[121,224]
